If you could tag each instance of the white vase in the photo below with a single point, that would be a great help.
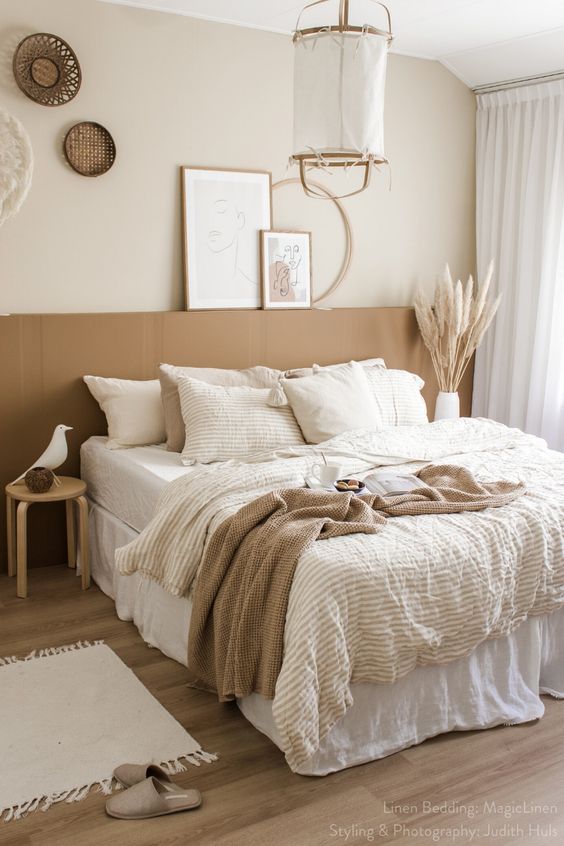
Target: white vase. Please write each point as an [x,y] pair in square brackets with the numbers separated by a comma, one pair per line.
[447,406]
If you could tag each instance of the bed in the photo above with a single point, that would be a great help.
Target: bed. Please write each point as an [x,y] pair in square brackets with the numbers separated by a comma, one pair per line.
[499,682]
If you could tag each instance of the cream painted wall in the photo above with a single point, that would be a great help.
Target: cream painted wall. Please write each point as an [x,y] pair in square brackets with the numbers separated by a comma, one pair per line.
[174,90]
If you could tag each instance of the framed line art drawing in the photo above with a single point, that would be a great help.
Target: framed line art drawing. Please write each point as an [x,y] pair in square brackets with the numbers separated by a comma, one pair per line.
[224,212]
[285,259]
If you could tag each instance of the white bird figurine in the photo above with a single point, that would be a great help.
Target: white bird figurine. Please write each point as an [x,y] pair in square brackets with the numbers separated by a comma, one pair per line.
[55,454]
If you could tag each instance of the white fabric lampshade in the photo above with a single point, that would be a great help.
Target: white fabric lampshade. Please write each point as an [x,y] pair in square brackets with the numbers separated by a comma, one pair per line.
[339,82]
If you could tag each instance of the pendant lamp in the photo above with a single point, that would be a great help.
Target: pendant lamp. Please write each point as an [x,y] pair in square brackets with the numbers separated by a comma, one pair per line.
[339,81]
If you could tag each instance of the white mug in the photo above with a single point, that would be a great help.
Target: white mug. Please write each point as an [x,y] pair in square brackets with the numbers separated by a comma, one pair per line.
[327,474]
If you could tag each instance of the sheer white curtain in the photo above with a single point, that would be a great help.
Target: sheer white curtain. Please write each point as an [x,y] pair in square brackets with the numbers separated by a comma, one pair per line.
[519,376]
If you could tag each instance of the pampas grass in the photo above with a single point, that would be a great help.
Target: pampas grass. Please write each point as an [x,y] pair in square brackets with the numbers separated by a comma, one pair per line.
[454,325]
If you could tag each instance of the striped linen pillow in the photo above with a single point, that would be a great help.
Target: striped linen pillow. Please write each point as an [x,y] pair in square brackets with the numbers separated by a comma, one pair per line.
[224,423]
[398,396]
[169,374]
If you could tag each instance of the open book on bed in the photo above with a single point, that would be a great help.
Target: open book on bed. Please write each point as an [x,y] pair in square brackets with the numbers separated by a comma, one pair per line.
[385,483]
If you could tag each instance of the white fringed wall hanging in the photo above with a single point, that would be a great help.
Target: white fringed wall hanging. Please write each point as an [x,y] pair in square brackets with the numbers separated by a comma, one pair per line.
[16,165]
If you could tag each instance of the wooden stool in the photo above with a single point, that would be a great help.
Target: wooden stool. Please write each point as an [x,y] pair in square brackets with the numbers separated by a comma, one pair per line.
[71,490]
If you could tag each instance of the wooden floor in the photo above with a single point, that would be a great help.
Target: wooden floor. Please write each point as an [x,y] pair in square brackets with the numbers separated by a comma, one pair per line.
[250,795]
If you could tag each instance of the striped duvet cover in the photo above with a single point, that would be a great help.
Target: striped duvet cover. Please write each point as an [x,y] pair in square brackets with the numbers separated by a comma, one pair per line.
[370,608]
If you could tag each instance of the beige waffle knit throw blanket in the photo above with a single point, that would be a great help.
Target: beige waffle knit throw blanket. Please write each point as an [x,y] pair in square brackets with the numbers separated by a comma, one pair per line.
[241,598]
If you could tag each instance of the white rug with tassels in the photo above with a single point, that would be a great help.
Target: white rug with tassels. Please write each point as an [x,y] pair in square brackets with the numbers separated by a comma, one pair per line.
[68,717]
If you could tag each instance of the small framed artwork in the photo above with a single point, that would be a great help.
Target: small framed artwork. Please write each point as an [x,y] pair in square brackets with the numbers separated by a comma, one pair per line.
[224,212]
[285,259]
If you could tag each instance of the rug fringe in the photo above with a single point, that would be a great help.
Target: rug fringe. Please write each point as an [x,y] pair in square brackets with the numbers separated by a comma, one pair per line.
[208,757]
[175,765]
[77,794]
[106,786]
[49,651]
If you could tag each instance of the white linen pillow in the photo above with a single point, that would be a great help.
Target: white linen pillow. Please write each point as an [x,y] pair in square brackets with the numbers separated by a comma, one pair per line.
[398,396]
[169,374]
[224,423]
[332,401]
[133,410]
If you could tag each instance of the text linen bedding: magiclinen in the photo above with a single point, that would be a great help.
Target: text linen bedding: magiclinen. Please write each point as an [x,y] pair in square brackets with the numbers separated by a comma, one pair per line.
[362,608]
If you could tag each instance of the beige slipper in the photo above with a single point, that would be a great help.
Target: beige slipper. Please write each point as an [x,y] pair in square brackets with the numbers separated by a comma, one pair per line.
[130,774]
[152,798]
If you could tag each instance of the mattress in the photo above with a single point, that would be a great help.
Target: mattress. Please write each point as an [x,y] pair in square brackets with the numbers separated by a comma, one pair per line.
[128,482]
[500,682]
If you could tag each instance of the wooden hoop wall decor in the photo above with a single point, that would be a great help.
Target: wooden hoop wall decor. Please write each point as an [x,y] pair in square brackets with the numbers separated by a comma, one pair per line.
[348,234]
[89,148]
[46,69]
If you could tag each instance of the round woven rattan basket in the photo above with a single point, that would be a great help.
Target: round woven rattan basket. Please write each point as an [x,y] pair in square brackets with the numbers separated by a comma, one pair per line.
[90,149]
[46,69]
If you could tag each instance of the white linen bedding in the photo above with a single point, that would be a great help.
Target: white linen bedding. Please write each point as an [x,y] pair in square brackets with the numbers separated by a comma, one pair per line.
[499,682]
[128,482]
[513,558]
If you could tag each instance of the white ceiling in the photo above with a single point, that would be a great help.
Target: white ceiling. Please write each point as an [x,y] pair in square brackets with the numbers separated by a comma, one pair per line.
[481,41]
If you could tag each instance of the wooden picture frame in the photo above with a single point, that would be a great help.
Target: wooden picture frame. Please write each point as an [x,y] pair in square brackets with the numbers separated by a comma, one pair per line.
[223,212]
[285,262]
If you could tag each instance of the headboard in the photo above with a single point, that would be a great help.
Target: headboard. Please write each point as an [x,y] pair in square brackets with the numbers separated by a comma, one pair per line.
[43,359]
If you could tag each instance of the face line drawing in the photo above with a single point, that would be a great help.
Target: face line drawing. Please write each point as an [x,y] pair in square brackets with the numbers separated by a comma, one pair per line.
[226,221]
[225,224]
[291,259]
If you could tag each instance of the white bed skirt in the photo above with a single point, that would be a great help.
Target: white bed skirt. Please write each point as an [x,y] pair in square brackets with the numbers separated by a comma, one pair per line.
[500,682]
